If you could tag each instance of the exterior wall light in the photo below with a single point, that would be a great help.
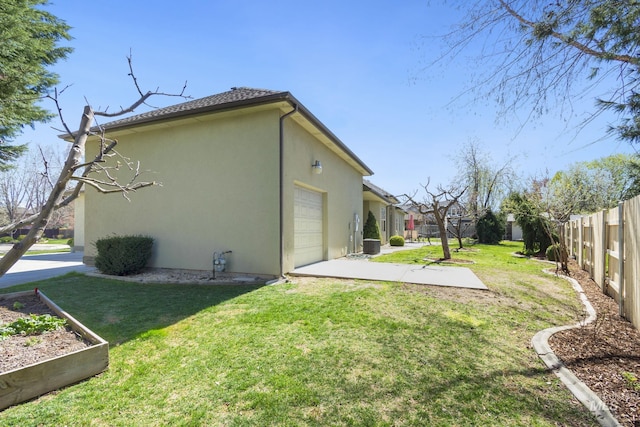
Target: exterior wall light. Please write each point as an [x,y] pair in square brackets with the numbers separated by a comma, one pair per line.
[316,167]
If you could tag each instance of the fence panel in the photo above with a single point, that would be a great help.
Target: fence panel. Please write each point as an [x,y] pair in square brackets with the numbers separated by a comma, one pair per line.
[575,240]
[632,260]
[599,250]
[607,245]
[587,245]
[613,253]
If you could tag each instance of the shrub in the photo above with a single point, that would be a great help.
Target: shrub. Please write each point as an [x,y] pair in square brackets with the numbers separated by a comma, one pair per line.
[490,228]
[553,252]
[6,239]
[396,241]
[371,229]
[70,242]
[123,255]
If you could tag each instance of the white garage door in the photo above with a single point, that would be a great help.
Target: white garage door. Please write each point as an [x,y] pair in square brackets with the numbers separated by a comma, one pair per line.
[307,214]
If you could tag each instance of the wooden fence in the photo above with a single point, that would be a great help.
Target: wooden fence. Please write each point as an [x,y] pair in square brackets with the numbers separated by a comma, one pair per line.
[607,245]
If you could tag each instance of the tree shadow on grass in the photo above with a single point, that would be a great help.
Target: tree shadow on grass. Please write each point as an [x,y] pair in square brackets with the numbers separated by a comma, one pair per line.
[119,311]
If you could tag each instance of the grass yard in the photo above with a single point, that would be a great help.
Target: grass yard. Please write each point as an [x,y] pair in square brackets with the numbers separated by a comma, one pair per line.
[318,352]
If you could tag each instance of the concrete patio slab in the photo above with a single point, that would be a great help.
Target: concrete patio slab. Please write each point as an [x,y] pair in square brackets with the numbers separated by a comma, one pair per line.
[459,277]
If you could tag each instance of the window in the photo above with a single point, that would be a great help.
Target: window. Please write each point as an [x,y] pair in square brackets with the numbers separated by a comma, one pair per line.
[383,219]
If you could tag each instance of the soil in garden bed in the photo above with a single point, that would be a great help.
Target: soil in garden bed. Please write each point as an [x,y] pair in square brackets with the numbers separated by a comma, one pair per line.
[20,351]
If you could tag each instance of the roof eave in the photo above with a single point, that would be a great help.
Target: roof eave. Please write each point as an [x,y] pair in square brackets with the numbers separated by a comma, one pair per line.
[263,100]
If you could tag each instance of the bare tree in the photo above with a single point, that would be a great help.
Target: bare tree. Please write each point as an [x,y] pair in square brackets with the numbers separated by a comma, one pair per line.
[458,223]
[94,172]
[488,181]
[549,53]
[24,188]
[438,204]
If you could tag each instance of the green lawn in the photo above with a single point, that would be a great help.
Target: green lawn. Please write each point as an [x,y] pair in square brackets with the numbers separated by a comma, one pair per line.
[318,352]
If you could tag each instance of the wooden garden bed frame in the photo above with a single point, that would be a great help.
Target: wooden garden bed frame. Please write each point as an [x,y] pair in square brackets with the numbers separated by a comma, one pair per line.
[31,381]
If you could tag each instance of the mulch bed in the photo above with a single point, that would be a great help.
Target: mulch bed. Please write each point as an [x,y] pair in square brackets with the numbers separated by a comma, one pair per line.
[605,354]
[20,351]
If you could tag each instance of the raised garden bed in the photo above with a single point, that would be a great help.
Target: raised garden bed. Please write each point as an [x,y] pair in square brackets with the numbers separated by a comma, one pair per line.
[69,362]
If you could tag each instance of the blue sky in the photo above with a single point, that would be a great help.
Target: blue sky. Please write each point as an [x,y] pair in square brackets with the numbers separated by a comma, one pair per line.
[355,65]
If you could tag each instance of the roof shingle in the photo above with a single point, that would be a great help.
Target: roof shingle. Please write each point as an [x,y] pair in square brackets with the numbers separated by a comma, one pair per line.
[235,96]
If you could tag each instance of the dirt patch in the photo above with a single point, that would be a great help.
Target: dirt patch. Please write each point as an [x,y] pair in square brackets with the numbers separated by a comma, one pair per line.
[450,261]
[605,354]
[20,351]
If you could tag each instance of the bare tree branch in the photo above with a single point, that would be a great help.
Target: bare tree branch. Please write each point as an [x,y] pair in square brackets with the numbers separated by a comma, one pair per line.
[438,204]
[59,196]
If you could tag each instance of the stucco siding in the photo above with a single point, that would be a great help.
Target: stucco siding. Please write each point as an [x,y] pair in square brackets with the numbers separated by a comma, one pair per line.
[340,184]
[219,192]
[78,223]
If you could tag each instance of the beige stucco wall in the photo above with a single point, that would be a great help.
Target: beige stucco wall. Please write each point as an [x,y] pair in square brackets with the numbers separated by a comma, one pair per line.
[340,184]
[219,192]
[78,223]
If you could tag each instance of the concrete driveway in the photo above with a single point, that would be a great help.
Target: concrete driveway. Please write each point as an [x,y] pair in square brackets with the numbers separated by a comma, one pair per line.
[344,268]
[32,268]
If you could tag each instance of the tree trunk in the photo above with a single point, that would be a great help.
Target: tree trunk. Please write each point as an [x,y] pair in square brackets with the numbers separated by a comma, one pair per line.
[446,253]
[37,230]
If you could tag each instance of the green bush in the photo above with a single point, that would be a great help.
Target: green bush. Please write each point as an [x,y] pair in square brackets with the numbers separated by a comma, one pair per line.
[490,228]
[553,251]
[6,239]
[123,255]
[396,241]
[70,242]
[371,229]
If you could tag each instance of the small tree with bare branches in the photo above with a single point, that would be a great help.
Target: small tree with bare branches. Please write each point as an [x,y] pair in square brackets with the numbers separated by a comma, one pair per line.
[80,172]
[438,204]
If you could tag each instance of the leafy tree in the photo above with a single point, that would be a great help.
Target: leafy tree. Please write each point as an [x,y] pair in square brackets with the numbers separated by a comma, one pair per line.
[624,172]
[528,214]
[490,228]
[587,187]
[543,53]
[371,229]
[29,37]
[634,186]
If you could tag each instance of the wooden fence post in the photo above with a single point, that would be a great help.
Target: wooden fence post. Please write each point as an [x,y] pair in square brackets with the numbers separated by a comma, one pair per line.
[621,260]
[603,254]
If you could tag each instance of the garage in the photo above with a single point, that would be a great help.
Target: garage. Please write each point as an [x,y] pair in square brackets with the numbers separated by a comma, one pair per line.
[308,227]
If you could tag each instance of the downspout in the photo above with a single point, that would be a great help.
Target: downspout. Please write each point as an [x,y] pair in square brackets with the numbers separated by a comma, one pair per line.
[281,185]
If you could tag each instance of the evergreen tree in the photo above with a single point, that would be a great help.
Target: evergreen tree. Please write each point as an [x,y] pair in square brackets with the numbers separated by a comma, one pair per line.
[490,228]
[371,229]
[29,37]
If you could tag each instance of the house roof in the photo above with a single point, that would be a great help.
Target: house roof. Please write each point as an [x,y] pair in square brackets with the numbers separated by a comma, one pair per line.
[235,98]
[385,196]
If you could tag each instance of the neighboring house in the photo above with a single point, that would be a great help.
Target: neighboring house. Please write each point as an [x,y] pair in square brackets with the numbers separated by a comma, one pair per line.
[425,225]
[390,217]
[513,230]
[236,173]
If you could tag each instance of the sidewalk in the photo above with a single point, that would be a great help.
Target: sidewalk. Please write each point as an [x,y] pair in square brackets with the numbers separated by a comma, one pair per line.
[31,268]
